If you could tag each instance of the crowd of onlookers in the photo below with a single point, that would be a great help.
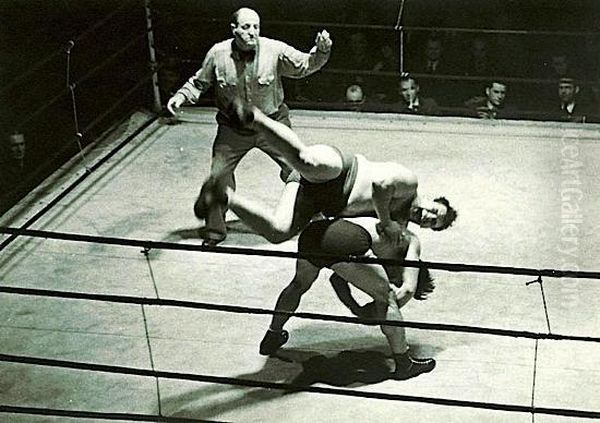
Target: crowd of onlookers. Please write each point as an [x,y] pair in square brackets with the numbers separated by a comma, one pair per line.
[485,74]
[466,80]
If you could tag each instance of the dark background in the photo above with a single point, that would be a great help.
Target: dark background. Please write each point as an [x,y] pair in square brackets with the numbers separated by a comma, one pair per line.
[107,62]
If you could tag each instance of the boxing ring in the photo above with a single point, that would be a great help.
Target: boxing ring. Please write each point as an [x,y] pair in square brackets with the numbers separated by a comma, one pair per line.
[112,309]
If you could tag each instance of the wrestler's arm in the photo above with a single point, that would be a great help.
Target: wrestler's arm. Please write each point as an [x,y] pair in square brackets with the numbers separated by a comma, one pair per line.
[341,288]
[391,181]
[410,275]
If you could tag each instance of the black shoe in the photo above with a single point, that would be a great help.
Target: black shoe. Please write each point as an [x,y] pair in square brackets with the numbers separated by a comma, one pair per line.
[414,368]
[272,341]
[212,239]
[210,194]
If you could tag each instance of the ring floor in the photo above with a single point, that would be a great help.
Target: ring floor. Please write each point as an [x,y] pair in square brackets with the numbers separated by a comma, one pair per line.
[525,193]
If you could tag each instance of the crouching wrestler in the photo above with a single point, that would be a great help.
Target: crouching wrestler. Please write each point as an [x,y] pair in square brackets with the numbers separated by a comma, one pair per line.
[390,286]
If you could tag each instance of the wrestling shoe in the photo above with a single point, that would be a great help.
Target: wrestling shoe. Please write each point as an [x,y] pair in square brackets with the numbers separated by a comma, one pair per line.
[212,239]
[408,367]
[273,341]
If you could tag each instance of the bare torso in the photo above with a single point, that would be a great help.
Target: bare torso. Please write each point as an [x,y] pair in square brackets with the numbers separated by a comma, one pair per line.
[360,202]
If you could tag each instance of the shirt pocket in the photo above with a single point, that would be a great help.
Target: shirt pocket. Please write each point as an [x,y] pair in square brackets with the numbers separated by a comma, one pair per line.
[265,81]
[225,78]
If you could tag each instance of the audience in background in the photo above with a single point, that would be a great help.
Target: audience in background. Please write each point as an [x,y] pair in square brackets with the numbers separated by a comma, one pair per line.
[355,97]
[411,101]
[13,169]
[387,58]
[492,104]
[432,60]
[557,66]
[478,61]
[570,107]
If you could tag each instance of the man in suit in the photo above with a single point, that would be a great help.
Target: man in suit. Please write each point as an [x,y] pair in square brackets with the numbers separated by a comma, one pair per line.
[411,101]
[490,106]
[572,109]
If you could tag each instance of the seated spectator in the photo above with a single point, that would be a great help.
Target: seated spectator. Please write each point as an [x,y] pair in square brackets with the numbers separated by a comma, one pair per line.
[492,105]
[387,58]
[432,61]
[386,61]
[478,62]
[355,97]
[355,56]
[411,101]
[570,107]
[558,66]
[13,169]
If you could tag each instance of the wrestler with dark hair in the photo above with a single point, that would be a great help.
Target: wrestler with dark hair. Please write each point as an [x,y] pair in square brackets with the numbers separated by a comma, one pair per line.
[328,182]
[391,286]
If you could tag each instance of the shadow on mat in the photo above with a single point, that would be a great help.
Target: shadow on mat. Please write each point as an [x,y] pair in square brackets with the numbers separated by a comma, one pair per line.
[299,367]
[234,227]
[345,369]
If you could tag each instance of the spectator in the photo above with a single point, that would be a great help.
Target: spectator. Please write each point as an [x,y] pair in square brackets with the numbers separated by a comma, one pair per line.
[492,105]
[13,169]
[432,59]
[360,53]
[572,108]
[355,97]
[387,57]
[411,101]
[558,66]
[478,62]
[386,61]
[356,56]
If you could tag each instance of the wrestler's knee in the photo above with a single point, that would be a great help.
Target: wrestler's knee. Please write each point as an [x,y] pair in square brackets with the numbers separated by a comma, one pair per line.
[378,291]
[279,234]
[300,285]
[322,160]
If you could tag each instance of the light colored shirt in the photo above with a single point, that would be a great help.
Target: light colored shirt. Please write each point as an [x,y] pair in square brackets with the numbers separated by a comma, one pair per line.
[258,81]
[568,107]
[414,106]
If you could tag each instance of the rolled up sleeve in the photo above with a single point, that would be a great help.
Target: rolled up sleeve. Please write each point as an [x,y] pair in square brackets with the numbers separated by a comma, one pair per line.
[296,64]
[201,81]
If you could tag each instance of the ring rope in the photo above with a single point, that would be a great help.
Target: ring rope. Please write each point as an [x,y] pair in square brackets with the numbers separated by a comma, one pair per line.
[32,70]
[78,181]
[443,327]
[164,245]
[128,417]
[66,91]
[291,387]
[203,19]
